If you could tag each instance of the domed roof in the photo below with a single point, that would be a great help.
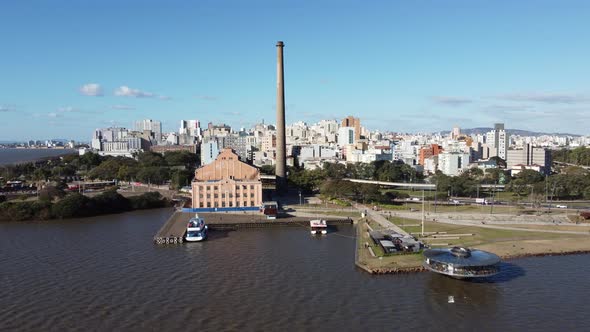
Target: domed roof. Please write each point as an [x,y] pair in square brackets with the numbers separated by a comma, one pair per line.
[460,256]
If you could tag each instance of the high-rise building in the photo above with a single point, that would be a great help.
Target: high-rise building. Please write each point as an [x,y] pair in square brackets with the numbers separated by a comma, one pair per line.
[429,151]
[453,163]
[190,127]
[455,132]
[209,151]
[346,136]
[151,125]
[351,121]
[498,141]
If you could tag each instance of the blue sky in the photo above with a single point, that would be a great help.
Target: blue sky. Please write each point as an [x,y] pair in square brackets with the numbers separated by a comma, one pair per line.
[68,67]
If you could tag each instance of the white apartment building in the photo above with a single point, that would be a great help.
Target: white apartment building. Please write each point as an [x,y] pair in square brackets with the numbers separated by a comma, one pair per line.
[346,136]
[190,127]
[151,125]
[453,163]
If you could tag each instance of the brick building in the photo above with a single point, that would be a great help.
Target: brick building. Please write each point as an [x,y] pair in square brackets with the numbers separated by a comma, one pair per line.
[227,183]
[429,151]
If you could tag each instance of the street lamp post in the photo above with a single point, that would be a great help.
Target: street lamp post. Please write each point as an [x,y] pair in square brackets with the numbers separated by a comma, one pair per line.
[422,212]
[300,197]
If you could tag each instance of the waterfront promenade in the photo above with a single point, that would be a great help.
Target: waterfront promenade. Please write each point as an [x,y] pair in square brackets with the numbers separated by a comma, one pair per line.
[379,218]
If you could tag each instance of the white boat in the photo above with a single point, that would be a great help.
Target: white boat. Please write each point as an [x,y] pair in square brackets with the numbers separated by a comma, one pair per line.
[318,226]
[196,230]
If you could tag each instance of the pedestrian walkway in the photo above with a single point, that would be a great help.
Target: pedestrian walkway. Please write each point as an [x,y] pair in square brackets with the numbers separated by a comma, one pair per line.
[380,219]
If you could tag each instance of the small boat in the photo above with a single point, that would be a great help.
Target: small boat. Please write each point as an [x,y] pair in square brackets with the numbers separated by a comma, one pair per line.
[318,226]
[196,230]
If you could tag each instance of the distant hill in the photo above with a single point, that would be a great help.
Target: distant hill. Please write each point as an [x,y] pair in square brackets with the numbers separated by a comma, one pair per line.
[520,132]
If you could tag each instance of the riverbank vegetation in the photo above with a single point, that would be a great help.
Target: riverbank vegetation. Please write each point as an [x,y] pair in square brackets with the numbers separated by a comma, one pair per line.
[76,205]
[175,167]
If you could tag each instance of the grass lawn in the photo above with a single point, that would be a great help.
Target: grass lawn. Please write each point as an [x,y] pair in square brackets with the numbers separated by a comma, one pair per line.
[481,235]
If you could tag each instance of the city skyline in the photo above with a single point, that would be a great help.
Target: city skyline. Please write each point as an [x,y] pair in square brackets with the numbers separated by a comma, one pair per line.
[412,67]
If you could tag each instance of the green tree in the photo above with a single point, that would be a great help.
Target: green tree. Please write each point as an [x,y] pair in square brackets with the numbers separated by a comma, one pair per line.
[111,202]
[107,170]
[335,170]
[149,200]
[180,158]
[267,169]
[90,160]
[151,159]
[180,178]
[50,193]
[153,174]
[73,205]
[306,180]
[529,176]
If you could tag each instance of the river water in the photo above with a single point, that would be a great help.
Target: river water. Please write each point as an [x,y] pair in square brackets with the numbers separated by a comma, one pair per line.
[104,273]
[11,156]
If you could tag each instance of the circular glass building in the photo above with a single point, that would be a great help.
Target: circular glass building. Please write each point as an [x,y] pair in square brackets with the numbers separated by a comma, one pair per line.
[459,262]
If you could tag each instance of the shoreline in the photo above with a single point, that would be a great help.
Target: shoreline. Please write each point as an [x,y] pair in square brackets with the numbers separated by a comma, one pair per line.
[419,269]
[44,221]
[506,248]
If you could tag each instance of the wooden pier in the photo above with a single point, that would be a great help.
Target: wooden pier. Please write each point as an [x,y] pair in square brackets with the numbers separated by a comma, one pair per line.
[174,229]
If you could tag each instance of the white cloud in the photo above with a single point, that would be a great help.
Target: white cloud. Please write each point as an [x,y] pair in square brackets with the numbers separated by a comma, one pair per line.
[91,89]
[122,107]
[6,108]
[53,115]
[67,109]
[125,91]
[547,98]
[451,101]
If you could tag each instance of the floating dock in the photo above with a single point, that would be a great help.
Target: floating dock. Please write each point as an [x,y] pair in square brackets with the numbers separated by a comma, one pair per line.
[174,229]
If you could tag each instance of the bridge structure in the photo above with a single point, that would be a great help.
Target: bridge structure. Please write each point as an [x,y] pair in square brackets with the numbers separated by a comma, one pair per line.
[423,186]
[560,163]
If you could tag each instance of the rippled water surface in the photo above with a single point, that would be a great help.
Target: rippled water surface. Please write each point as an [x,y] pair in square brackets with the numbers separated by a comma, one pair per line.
[104,273]
[9,156]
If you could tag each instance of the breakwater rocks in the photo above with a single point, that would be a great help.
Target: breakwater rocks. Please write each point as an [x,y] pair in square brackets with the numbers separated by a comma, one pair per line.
[398,270]
[386,270]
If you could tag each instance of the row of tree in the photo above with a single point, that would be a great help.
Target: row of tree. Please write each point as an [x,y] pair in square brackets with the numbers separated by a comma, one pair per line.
[310,180]
[571,183]
[77,205]
[577,156]
[149,167]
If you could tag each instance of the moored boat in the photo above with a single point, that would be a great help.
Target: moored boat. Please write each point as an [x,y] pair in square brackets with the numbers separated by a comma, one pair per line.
[196,230]
[318,226]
